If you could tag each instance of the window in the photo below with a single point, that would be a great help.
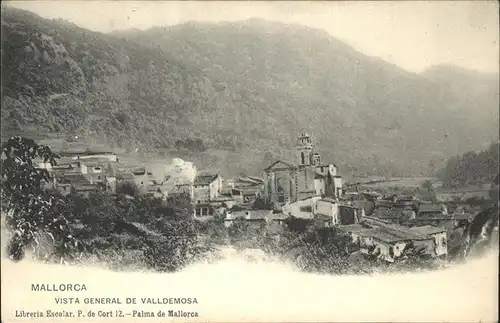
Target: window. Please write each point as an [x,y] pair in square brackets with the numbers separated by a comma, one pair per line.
[302,158]
[443,241]
[99,177]
[391,251]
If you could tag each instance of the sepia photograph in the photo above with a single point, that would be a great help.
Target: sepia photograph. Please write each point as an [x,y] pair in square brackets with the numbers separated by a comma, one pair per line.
[249,161]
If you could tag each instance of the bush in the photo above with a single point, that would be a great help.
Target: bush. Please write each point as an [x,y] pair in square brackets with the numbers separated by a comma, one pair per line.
[31,210]
[128,188]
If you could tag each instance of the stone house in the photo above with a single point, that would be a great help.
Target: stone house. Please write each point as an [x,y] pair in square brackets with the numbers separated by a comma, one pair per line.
[271,223]
[327,209]
[349,214]
[302,208]
[180,189]
[246,195]
[432,210]
[206,188]
[390,240]
[75,182]
[439,236]
[89,154]
[335,214]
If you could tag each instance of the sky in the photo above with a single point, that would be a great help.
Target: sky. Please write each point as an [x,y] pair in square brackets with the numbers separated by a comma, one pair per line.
[413,35]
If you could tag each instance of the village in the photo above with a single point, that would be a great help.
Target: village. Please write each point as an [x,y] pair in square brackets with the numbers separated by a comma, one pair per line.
[307,189]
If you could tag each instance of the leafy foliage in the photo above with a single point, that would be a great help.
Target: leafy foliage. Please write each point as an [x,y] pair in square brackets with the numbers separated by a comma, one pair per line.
[471,168]
[128,188]
[143,231]
[31,211]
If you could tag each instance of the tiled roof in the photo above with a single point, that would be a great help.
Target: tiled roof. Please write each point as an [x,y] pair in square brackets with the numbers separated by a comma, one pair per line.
[388,232]
[390,235]
[249,190]
[94,160]
[125,175]
[254,214]
[406,198]
[290,165]
[459,217]
[382,212]
[139,171]
[251,180]
[72,178]
[94,164]
[279,216]
[383,203]
[85,187]
[62,166]
[431,207]
[256,179]
[205,179]
[222,199]
[371,194]
[329,199]
[353,228]
[427,229]
[403,203]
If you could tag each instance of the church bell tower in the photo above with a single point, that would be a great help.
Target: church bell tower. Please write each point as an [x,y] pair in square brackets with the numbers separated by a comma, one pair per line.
[304,149]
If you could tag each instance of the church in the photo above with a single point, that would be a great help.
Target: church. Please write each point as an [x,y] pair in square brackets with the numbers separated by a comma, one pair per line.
[287,183]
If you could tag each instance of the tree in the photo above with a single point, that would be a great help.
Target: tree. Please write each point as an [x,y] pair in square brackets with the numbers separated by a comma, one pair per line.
[31,211]
[260,204]
[428,191]
[239,230]
[128,188]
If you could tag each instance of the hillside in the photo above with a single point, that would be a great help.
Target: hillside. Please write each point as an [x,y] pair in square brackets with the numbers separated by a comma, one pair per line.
[59,78]
[471,168]
[244,89]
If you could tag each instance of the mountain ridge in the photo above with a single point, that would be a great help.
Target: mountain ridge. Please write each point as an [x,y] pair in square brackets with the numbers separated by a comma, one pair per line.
[243,91]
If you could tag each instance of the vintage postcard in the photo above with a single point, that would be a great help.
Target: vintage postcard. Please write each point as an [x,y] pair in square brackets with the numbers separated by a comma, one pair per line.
[231,161]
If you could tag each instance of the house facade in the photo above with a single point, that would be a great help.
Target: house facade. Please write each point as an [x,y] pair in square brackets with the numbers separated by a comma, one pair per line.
[302,208]
[206,188]
[440,247]
[329,208]
[389,241]
[432,210]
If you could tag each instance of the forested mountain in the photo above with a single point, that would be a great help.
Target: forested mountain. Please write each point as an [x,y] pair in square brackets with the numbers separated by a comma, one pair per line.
[471,168]
[245,89]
